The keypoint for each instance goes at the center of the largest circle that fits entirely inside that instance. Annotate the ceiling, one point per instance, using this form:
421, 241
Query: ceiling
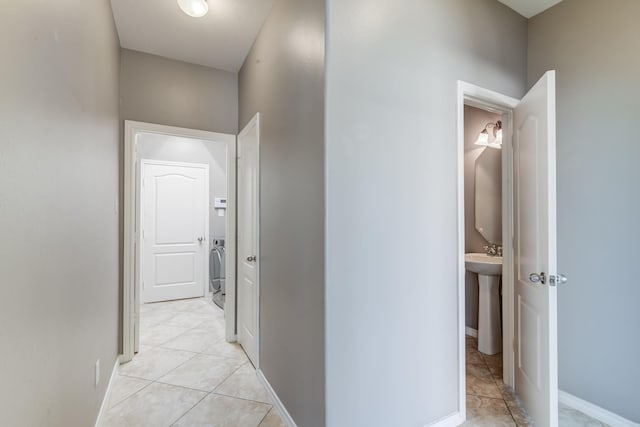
221, 39
529, 8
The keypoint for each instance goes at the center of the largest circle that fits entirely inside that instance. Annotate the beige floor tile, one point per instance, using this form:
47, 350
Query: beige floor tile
214, 324
148, 308
154, 317
496, 372
144, 348
193, 305
195, 340
159, 334
473, 356
569, 417
124, 387
480, 382
202, 372
157, 405
493, 360
189, 320
272, 419
155, 363
227, 350
223, 411
488, 412
518, 412
244, 383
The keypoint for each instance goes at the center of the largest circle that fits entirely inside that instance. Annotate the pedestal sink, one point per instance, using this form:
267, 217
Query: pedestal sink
489, 270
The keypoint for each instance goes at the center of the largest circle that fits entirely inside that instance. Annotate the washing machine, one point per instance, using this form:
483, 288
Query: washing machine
216, 272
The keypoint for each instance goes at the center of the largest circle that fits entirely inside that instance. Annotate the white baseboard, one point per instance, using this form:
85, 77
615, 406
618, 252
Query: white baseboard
471, 332
452, 420
594, 411
284, 414
107, 393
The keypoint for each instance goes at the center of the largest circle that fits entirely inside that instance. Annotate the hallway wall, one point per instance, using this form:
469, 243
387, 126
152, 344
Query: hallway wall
283, 79
593, 45
158, 90
391, 164
58, 209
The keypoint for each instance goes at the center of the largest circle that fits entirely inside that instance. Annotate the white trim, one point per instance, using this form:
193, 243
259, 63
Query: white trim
594, 411
107, 393
452, 420
131, 129
485, 99
471, 332
139, 217
277, 403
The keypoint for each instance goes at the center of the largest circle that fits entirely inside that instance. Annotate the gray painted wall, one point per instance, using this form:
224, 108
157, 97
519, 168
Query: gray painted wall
168, 92
474, 121
391, 297
283, 79
593, 45
58, 253
177, 149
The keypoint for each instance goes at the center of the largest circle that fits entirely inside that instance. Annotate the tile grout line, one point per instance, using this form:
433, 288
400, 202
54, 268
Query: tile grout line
132, 394
189, 410
493, 378
194, 354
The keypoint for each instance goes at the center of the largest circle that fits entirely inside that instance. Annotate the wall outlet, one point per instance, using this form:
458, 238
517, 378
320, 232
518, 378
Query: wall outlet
97, 372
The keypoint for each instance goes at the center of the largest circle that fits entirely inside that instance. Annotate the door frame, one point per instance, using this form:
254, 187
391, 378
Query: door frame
139, 216
130, 295
255, 122
488, 100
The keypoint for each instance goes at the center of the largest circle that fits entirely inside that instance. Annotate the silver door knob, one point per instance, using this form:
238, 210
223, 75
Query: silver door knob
558, 279
251, 258
537, 278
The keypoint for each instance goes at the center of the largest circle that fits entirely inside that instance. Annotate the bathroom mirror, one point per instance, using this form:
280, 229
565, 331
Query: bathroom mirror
489, 195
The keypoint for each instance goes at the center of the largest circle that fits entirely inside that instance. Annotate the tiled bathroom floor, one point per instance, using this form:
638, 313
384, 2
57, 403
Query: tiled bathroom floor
186, 374
491, 403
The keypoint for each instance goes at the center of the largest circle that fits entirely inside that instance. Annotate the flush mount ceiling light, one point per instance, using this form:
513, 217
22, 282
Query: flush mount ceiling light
195, 8
484, 138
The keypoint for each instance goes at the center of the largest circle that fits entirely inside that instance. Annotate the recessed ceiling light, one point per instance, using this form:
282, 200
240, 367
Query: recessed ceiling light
195, 8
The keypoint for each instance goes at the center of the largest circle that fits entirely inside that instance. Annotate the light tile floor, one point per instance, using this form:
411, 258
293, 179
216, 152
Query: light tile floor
186, 374
491, 403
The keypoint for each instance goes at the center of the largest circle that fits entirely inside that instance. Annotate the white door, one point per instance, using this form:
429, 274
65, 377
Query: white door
534, 143
248, 238
173, 230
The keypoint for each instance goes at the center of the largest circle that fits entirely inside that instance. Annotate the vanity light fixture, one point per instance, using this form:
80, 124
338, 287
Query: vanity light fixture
496, 132
194, 8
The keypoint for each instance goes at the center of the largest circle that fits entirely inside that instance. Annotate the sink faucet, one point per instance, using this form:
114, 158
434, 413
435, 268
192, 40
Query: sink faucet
493, 249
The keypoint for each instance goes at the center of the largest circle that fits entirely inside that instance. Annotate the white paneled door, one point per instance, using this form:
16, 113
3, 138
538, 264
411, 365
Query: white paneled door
174, 230
248, 142
536, 276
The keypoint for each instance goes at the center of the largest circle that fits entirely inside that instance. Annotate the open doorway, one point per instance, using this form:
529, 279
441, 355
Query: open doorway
179, 237
507, 252
488, 398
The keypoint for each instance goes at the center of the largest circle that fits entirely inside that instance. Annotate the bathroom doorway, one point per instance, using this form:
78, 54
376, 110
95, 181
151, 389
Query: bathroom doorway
179, 208
516, 330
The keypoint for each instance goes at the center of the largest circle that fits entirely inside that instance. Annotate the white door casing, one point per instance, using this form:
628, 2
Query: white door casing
174, 230
535, 304
248, 247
